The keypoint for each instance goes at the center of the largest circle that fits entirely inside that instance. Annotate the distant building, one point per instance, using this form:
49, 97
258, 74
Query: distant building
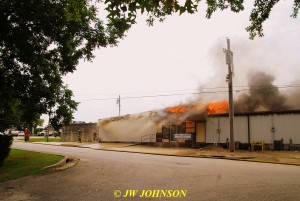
78, 122
89, 132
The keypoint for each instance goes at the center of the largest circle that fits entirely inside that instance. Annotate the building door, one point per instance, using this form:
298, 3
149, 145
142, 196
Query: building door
200, 132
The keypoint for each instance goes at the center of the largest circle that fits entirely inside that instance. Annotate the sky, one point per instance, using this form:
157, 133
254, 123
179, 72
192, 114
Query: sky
184, 55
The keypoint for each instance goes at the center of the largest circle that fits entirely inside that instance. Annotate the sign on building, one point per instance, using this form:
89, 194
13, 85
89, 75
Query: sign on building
183, 136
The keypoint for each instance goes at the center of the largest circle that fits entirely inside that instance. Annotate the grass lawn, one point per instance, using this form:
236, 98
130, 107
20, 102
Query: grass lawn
43, 139
21, 163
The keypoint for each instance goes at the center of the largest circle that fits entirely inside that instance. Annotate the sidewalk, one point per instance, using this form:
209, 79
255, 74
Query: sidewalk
275, 157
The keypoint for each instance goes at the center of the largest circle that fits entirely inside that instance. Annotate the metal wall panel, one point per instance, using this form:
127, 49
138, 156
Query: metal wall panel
212, 126
287, 126
241, 129
260, 128
211, 129
225, 129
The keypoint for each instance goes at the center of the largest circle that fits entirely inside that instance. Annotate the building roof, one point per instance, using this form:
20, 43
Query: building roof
281, 112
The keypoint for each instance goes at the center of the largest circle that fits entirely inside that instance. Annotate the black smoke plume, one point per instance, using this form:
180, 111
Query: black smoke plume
262, 95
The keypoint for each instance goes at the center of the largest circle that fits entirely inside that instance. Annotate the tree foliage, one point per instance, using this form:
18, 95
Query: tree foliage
159, 9
5, 144
40, 42
65, 107
43, 40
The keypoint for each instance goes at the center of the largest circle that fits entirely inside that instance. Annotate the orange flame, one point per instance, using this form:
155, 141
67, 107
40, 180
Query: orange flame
217, 107
178, 109
211, 108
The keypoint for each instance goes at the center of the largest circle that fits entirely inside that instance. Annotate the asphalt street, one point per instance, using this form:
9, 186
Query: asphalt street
109, 175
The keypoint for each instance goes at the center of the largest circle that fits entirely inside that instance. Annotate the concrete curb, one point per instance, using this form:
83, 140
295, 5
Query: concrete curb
63, 164
70, 145
60, 163
270, 162
75, 145
149, 153
45, 143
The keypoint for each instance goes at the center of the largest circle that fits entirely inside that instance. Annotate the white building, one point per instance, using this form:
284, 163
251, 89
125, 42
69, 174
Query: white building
274, 128
271, 127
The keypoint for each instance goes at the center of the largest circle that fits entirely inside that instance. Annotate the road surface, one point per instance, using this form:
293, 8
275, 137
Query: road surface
108, 175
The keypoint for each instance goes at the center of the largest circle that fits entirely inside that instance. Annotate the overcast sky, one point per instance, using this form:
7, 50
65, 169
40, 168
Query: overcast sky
181, 56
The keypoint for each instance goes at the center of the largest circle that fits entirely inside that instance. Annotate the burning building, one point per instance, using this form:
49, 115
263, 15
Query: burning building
199, 124
263, 114
183, 123
195, 125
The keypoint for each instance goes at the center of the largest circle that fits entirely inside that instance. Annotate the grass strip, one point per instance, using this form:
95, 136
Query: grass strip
22, 163
35, 139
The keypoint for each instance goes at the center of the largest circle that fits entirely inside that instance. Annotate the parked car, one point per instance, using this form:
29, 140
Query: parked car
56, 134
21, 133
14, 133
44, 133
51, 133
41, 133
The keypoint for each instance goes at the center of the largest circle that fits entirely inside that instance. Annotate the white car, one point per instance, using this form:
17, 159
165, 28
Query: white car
44, 133
12, 132
21, 133
41, 133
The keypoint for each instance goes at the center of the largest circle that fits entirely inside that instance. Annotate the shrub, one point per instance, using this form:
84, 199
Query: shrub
5, 143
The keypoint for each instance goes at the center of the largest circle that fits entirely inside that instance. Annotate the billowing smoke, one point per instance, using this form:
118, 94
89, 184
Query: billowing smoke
262, 96
293, 95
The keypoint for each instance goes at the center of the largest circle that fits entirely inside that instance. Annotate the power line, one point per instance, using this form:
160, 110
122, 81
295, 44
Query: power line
199, 89
264, 87
154, 96
150, 92
197, 93
245, 88
98, 99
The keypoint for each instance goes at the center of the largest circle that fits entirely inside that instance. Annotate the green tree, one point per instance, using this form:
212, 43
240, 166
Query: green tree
159, 9
65, 108
43, 40
40, 42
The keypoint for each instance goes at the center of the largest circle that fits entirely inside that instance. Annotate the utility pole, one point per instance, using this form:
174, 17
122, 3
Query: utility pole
229, 62
48, 129
119, 104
